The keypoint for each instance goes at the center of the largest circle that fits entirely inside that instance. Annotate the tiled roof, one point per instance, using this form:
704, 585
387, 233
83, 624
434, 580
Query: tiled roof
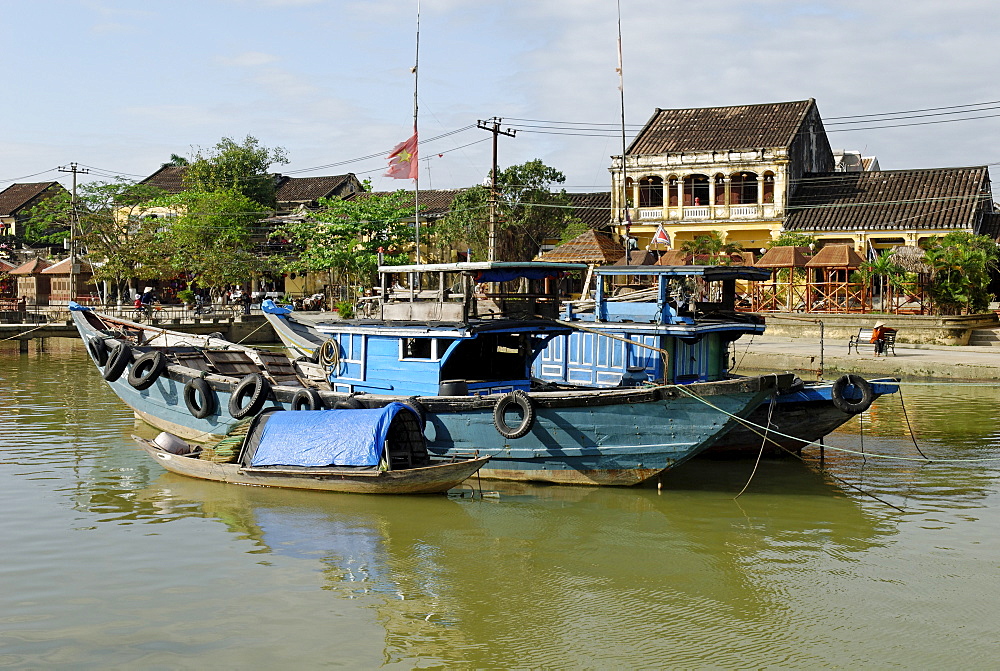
990, 225
721, 128
16, 196
835, 256
309, 189
638, 257
169, 178
590, 247
433, 203
62, 268
784, 257
936, 198
4, 266
35, 265
593, 209
674, 257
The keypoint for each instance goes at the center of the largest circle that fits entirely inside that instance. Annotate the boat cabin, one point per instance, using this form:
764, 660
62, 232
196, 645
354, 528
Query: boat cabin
447, 329
652, 324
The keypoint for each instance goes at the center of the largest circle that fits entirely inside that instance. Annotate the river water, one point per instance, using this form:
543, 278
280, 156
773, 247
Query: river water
107, 561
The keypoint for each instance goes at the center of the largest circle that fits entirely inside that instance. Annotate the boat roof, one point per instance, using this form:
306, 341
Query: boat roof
479, 266
710, 273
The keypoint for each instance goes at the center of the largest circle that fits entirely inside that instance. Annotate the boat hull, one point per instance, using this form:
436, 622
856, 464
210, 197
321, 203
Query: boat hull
426, 480
803, 416
578, 436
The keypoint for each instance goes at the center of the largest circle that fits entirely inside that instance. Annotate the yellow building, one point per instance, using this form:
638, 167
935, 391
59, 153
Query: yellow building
727, 170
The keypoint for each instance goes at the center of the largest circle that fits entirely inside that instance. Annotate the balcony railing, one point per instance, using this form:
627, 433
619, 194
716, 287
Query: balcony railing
702, 212
744, 211
651, 213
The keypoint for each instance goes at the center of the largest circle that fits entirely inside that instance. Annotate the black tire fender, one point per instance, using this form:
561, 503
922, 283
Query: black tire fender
98, 349
349, 403
417, 407
146, 369
118, 360
843, 403
307, 399
204, 407
256, 388
522, 401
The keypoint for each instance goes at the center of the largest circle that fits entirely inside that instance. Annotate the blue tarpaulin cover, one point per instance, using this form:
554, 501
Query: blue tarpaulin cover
270, 307
325, 437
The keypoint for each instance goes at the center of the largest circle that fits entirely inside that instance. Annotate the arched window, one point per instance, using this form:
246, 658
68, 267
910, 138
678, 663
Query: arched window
651, 192
720, 190
628, 192
768, 187
672, 192
695, 190
743, 188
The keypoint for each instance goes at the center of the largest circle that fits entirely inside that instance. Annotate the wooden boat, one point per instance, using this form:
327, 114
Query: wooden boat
464, 355
379, 451
643, 325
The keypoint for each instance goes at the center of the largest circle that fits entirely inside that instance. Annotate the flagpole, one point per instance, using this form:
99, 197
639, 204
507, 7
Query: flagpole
621, 88
416, 180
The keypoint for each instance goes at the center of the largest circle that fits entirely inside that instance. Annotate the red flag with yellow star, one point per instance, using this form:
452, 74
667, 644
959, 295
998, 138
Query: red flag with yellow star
403, 160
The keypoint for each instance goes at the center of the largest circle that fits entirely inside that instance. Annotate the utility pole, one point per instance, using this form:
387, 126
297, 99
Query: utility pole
493, 126
74, 223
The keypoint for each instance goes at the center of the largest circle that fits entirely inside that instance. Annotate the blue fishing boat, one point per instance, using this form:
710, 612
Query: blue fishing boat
676, 324
457, 341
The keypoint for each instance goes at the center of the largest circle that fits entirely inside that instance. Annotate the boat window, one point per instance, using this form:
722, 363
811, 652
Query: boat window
490, 357
415, 348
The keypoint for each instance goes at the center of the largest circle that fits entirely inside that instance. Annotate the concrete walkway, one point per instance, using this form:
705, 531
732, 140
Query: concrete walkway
802, 355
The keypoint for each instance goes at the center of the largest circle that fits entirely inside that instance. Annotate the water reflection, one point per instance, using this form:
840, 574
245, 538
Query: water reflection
165, 569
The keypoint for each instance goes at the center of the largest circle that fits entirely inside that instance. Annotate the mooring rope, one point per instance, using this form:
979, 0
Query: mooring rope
22, 333
754, 427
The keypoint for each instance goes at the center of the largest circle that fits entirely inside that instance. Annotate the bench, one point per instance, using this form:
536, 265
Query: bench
864, 336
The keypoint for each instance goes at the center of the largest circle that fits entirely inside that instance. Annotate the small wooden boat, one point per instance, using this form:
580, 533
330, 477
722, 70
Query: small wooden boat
377, 451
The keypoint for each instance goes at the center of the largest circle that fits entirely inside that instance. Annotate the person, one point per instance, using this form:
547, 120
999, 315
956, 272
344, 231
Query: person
246, 300
146, 300
22, 304
878, 337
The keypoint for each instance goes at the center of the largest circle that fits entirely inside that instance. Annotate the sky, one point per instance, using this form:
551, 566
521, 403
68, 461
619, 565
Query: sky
118, 86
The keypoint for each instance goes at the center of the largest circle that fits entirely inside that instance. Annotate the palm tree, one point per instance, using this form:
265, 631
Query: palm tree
706, 249
176, 162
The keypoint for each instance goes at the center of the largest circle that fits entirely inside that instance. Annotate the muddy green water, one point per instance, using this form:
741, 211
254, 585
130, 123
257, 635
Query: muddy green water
107, 561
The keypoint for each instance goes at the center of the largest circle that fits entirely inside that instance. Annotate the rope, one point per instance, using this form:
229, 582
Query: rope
908, 427
763, 444
754, 427
22, 333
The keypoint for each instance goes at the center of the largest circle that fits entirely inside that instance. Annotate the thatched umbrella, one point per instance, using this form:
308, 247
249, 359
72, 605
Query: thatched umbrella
910, 259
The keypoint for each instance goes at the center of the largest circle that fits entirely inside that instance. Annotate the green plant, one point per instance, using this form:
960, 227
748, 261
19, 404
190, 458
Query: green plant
961, 265
185, 296
346, 309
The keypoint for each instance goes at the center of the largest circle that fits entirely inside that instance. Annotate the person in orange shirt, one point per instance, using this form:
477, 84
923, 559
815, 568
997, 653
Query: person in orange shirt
878, 337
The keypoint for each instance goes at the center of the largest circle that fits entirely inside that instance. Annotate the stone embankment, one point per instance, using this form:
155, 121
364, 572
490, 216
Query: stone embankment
912, 361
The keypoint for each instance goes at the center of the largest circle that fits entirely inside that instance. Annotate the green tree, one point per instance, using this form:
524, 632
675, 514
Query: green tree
792, 239
212, 236
242, 167
961, 266
176, 161
707, 250
344, 238
116, 235
528, 213
47, 223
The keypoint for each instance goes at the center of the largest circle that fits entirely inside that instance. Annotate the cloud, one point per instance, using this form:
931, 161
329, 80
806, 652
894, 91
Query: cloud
248, 59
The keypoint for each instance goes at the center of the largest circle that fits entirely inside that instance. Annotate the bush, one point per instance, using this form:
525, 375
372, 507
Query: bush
345, 308
185, 296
